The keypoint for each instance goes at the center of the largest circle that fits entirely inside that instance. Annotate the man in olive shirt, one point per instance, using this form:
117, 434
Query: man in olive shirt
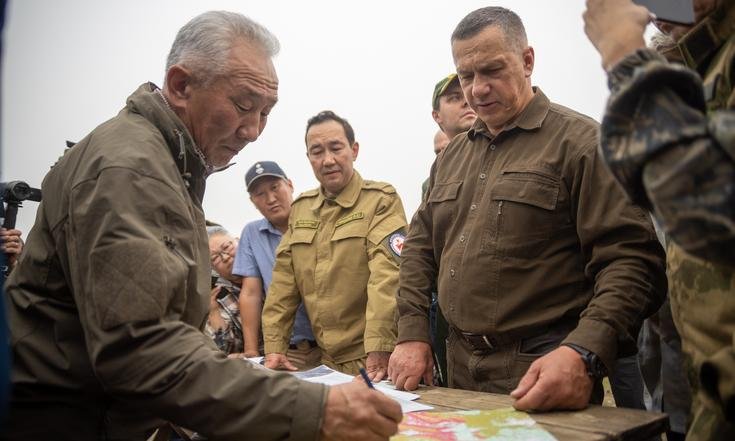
545, 271
340, 255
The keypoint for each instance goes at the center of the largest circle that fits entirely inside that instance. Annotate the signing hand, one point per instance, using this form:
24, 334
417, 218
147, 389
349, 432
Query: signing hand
615, 28
278, 361
354, 413
558, 380
410, 362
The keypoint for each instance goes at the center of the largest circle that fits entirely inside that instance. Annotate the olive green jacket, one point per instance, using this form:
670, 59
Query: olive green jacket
107, 302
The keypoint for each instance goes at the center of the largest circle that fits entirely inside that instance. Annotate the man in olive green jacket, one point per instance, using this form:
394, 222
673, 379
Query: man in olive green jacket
106, 303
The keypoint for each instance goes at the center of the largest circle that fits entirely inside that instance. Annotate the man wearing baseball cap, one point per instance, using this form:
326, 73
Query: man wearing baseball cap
450, 109
451, 113
272, 193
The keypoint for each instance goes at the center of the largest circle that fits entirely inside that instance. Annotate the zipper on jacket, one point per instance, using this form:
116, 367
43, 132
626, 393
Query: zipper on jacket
171, 245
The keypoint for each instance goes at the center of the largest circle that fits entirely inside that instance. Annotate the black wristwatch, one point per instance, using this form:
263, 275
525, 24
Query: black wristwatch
595, 367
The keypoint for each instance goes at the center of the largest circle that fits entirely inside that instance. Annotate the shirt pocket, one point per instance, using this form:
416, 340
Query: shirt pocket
349, 249
525, 203
443, 198
302, 236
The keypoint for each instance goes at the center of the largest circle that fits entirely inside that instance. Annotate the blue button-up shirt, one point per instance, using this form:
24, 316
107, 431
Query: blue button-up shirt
256, 256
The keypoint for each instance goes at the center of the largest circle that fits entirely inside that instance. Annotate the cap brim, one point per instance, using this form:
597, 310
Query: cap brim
263, 175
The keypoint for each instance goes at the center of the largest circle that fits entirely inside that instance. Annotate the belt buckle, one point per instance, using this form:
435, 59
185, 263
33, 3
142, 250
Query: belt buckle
479, 342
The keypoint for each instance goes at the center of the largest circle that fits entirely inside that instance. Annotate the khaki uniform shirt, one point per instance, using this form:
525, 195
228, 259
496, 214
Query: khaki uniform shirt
527, 229
340, 256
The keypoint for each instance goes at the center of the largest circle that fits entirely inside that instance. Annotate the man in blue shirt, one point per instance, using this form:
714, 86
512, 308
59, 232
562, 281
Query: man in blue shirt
272, 193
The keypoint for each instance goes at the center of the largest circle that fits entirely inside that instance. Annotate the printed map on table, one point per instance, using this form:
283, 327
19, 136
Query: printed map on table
471, 425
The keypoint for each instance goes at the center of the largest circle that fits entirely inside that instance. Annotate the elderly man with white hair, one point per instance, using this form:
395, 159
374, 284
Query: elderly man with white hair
106, 305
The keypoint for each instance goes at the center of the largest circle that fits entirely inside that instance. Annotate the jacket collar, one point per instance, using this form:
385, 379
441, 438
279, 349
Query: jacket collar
346, 198
530, 118
149, 104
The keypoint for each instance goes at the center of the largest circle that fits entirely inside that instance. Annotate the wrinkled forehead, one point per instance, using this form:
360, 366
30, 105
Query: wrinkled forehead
251, 67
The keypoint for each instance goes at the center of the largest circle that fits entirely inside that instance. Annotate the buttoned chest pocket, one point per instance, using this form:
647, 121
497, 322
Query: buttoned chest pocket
301, 237
527, 210
443, 198
349, 244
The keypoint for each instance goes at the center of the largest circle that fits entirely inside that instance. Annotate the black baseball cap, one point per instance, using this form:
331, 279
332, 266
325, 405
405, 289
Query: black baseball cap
260, 169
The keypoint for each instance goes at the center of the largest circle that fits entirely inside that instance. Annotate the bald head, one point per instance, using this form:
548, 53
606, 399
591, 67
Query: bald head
440, 141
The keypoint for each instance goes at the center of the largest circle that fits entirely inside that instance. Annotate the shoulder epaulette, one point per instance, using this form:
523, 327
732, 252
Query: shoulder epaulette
377, 185
307, 194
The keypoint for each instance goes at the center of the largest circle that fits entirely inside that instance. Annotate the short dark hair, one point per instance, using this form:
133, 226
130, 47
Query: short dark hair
328, 115
508, 21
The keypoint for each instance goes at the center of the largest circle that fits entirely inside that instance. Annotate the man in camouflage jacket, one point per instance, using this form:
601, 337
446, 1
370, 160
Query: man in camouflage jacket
668, 136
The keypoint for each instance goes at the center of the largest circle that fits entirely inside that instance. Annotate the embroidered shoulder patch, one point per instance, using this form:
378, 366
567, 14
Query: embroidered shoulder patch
306, 223
395, 243
349, 218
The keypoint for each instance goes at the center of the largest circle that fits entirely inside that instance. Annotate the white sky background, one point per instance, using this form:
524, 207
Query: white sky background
69, 65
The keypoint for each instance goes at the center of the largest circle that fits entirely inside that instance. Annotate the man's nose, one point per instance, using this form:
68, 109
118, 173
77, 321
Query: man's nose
328, 158
250, 127
480, 86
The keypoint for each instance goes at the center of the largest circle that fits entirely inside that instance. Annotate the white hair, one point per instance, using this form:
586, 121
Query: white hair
204, 43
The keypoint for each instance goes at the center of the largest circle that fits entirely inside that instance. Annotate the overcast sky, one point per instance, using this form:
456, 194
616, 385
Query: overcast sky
69, 65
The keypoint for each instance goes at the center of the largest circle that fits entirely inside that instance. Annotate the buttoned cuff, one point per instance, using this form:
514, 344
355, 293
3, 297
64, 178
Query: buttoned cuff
598, 337
311, 399
413, 328
717, 376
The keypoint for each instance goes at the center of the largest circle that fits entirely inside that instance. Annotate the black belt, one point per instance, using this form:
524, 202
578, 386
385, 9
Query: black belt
312, 344
487, 343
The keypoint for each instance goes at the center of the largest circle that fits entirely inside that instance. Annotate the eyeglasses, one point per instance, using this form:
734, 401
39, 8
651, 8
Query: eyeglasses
224, 254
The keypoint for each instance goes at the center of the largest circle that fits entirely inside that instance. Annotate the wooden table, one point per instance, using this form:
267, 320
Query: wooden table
592, 424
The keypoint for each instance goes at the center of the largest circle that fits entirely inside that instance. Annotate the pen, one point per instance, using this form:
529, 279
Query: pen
365, 377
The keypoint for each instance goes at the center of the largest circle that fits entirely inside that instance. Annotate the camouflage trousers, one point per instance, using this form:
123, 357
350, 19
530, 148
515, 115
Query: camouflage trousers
703, 306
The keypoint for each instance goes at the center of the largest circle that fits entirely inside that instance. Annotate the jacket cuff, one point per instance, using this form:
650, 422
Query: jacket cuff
311, 399
413, 328
598, 337
717, 376
625, 68
376, 344
275, 346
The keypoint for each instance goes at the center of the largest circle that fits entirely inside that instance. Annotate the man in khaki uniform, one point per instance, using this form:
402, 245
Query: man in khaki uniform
108, 299
545, 270
340, 255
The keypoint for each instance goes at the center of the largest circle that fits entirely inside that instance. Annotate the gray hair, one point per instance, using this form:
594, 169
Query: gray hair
216, 230
508, 21
204, 43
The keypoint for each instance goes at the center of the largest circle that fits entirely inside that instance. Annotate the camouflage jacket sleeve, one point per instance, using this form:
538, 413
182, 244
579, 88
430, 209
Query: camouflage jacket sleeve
670, 155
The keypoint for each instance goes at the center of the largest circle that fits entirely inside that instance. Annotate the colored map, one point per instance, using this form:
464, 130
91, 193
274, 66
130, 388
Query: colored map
471, 425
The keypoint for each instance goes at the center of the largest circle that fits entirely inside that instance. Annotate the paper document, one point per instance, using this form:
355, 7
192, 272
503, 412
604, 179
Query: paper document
326, 375
471, 425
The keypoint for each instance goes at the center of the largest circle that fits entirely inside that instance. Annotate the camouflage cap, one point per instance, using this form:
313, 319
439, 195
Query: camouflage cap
442, 87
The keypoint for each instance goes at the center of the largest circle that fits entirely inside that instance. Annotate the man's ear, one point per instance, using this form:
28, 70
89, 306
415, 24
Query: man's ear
178, 86
355, 150
528, 61
435, 115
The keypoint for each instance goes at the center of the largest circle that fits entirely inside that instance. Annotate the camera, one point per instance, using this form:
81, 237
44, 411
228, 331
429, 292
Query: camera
13, 194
